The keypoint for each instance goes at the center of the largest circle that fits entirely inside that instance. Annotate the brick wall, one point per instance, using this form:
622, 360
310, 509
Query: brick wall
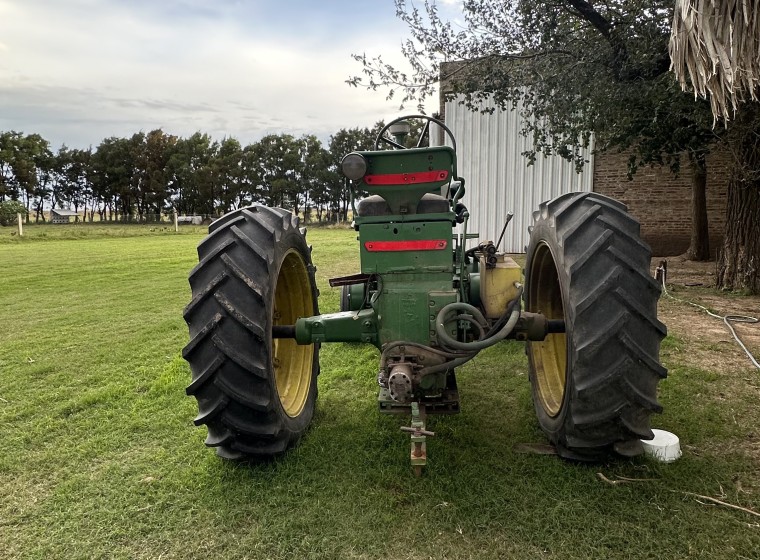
662, 201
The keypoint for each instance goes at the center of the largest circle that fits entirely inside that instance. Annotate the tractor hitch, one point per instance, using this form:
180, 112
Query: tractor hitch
418, 435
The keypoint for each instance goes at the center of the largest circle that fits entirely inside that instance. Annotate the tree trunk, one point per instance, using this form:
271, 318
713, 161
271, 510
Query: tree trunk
699, 248
296, 209
738, 265
739, 259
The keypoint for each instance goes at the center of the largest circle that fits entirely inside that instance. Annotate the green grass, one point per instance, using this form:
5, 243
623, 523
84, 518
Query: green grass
48, 232
100, 458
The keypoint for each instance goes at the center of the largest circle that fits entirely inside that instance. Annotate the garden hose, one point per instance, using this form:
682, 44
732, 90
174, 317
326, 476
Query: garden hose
727, 319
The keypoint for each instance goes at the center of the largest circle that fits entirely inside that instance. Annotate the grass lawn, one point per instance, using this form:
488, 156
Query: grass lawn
100, 458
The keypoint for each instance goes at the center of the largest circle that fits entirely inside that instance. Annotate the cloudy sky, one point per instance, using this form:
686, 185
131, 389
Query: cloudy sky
78, 71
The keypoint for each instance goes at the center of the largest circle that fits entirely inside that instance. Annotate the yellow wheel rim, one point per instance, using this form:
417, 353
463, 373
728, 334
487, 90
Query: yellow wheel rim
292, 363
549, 357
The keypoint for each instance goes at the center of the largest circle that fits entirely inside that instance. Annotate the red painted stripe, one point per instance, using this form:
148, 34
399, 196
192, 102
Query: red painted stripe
407, 178
420, 245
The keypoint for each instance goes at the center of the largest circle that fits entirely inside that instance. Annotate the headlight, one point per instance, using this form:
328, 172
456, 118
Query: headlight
354, 166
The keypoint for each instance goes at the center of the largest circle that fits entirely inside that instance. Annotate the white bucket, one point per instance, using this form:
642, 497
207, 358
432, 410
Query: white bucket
665, 447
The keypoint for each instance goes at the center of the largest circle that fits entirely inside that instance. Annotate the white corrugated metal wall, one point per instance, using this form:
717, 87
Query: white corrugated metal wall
498, 179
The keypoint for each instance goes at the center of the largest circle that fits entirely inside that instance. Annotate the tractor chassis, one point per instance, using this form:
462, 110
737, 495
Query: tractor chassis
361, 326
585, 305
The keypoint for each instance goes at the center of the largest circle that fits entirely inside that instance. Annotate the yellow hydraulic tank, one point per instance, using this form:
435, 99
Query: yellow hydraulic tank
497, 285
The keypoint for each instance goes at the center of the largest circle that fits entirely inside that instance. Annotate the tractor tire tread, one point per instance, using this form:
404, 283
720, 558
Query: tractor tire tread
228, 351
614, 354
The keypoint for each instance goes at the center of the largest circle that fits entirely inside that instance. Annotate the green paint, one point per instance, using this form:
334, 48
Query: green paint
403, 198
438, 259
347, 326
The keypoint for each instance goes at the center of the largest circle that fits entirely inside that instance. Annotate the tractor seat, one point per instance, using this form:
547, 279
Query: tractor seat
376, 205
433, 204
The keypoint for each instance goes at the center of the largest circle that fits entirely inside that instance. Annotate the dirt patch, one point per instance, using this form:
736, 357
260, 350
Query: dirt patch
682, 272
710, 343
705, 341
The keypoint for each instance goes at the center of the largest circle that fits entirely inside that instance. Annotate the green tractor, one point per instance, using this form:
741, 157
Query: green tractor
429, 300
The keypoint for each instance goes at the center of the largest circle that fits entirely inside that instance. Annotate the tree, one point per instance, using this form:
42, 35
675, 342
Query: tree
24, 161
575, 68
150, 154
190, 174
318, 177
8, 211
717, 45
279, 168
250, 174
7, 147
108, 172
77, 179
57, 176
46, 165
228, 170
112, 171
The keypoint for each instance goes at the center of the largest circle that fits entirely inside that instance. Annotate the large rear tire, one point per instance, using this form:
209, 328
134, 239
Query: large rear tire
256, 395
594, 386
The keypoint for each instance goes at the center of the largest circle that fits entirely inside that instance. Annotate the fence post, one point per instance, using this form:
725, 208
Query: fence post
20, 226
176, 222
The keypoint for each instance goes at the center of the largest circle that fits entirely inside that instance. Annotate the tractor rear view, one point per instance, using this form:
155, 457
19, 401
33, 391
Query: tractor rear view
429, 298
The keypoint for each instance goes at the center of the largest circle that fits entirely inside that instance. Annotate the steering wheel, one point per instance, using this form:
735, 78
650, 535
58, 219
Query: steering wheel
381, 137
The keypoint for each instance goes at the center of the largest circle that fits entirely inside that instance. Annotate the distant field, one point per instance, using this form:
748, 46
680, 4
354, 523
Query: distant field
100, 458
45, 232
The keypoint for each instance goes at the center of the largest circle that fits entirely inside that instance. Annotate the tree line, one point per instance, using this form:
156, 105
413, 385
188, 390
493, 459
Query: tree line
140, 177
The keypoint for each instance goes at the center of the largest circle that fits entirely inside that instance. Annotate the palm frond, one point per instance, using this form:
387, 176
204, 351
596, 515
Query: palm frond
716, 43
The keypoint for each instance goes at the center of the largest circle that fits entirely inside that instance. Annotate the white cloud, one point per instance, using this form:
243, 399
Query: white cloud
77, 72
